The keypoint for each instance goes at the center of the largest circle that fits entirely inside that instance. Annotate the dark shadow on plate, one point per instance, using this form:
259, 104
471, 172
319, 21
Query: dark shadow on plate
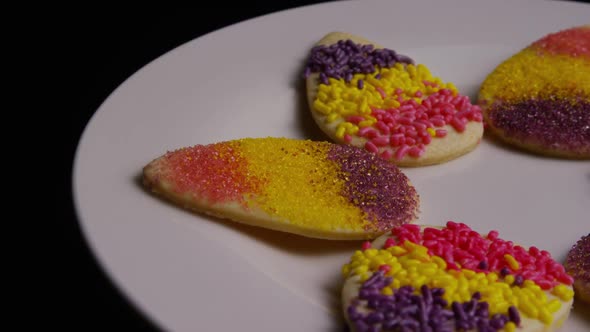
581, 310
288, 242
333, 290
305, 121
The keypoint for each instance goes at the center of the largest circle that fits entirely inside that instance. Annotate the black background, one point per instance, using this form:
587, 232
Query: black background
92, 51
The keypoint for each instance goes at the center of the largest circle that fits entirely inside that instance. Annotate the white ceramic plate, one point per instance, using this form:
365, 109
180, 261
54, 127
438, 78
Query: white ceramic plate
188, 272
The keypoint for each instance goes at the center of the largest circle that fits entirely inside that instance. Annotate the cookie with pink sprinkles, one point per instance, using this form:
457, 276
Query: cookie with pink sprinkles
365, 95
539, 99
314, 189
453, 278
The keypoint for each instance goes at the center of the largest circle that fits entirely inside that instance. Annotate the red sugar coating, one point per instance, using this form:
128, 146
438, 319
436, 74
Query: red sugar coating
573, 42
215, 172
462, 247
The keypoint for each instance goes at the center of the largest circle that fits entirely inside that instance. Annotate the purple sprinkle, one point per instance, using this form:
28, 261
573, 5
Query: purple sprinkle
376, 186
504, 271
348, 57
497, 321
360, 84
557, 124
361, 326
518, 280
378, 76
374, 317
514, 315
483, 265
476, 296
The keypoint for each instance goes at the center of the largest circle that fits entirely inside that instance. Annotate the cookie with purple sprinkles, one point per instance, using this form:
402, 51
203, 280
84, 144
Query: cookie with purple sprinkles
362, 94
539, 99
577, 263
452, 278
313, 189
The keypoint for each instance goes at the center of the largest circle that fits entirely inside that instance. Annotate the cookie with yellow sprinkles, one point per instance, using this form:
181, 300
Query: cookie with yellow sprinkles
539, 98
452, 278
362, 94
314, 189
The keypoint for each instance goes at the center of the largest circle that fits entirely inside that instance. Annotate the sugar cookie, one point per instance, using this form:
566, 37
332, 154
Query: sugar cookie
362, 94
314, 189
419, 278
539, 99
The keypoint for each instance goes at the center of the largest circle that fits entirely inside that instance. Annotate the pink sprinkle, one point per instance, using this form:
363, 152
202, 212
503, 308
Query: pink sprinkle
458, 124
441, 133
418, 94
372, 134
411, 132
492, 235
385, 268
397, 140
355, 119
406, 108
419, 126
464, 114
398, 91
426, 138
380, 140
390, 242
405, 121
371, 147
383, 128
427, 123
347, 138
401, 151
386, 154
438, 122
410, 141
366, 245
381, 92
363, 131
415, 152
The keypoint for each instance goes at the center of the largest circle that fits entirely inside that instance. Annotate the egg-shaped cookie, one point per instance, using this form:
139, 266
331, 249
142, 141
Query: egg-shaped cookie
538, 100
452, 278
362, 94
313, 189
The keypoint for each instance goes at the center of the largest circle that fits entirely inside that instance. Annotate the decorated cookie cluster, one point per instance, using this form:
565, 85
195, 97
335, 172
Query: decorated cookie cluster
383, 98
453, 278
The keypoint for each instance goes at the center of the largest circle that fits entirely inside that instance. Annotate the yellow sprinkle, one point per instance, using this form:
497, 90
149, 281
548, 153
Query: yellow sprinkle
321, 107
387, 291
563, 292
553, 305
439, 262
332, 117
511, 262
510, 327
397, 250
545, 316
340, 132
366, 123
431, 131
509, 279
529, 309
361, 269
